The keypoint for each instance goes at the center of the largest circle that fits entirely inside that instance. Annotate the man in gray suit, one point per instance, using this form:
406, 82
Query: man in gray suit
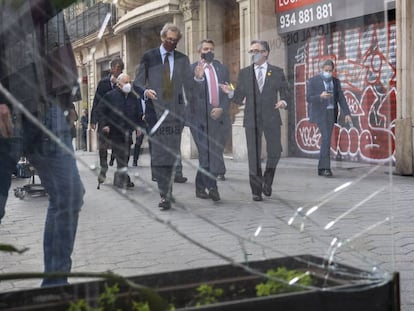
264, 90
209, 120
164, 74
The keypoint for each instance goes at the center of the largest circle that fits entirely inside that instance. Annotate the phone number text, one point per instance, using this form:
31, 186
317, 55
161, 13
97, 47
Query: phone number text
305, 16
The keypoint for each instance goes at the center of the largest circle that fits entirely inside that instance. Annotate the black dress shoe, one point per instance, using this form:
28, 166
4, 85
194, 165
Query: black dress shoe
180, 179
102, 176
221, 177
134, 163
111, 162
325, 172
267, 190
214, 195
201, 194
257, 197
164, 204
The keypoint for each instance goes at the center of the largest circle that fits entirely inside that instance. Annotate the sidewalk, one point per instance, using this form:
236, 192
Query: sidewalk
125, 232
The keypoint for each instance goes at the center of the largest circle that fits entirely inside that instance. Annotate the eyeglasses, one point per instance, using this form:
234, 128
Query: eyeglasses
256, 51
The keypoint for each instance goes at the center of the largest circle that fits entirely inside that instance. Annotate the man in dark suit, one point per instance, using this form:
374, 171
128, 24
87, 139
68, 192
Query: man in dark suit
105, 85
208, 117
264, 90
164, 74
120, 113
324, 94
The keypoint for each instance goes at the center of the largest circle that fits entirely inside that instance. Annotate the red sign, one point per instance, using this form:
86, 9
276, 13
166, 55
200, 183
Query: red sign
286, 5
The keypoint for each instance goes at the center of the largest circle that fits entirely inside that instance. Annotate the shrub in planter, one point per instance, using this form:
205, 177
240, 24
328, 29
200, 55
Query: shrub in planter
339, 288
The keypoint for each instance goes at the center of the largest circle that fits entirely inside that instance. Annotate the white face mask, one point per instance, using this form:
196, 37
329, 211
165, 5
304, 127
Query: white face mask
327, 74
126, 88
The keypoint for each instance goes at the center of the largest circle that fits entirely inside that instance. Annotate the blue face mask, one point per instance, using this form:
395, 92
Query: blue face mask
256, 57
326, 75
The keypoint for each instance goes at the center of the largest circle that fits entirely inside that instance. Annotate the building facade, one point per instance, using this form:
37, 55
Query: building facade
369, 41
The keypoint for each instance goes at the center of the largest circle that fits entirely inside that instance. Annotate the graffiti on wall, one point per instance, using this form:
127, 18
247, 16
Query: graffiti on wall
365, 59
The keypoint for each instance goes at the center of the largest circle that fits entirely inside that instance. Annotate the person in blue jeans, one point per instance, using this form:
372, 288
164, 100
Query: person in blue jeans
38, 82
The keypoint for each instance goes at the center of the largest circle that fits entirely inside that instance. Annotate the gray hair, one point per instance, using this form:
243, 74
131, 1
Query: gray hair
200, 44
170, 27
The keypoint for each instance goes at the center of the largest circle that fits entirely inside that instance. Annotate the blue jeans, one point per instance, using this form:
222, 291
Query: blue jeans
60, 177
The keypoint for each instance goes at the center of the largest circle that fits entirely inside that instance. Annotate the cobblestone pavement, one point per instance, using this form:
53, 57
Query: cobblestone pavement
365, 206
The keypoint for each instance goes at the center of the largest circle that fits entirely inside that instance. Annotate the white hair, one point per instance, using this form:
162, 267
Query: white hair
122, 75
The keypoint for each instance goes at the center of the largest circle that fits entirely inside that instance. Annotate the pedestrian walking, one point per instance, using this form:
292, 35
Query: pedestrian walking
105, 85
209, 119
164, 73
324, 96
264, 90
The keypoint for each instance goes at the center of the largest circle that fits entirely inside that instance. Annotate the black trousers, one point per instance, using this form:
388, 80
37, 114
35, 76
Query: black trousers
254, 153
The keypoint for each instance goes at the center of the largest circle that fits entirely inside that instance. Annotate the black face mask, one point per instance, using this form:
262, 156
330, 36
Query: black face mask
209, 56
170, 46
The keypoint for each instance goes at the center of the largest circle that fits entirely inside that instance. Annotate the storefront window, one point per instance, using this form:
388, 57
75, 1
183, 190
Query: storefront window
228, 154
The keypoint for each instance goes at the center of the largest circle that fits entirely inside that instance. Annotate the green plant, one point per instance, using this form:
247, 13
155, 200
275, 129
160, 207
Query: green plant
272, 286
207, 294
108, 302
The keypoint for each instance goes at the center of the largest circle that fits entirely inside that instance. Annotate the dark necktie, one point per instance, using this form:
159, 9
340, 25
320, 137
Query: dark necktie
167, 82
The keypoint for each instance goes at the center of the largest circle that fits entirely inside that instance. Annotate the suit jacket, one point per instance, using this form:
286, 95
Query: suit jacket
150, 75
104, 86
121, 113
198, 111
317, 105
275, 88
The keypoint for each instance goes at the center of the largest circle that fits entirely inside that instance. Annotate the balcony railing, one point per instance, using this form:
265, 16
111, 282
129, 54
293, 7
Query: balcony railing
90, 21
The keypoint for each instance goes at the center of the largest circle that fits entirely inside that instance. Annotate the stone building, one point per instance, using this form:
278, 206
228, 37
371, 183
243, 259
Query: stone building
369, 41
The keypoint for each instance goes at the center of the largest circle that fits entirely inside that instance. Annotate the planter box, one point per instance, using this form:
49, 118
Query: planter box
341, 291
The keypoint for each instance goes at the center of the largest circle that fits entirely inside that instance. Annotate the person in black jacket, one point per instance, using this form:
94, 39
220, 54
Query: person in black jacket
38, 79
106, 84
324, 95
84, 120
208, 118
120, 113
165, 74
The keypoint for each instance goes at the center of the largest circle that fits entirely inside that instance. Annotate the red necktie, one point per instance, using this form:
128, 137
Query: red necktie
213, 87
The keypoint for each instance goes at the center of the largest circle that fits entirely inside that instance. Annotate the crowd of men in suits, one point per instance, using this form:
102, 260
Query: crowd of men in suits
176, 94
171, 93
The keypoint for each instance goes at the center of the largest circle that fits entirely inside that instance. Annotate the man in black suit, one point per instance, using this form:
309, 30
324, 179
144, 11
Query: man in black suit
324, 94
120, 113
264, 89
208, 117
164, 73
105, 85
